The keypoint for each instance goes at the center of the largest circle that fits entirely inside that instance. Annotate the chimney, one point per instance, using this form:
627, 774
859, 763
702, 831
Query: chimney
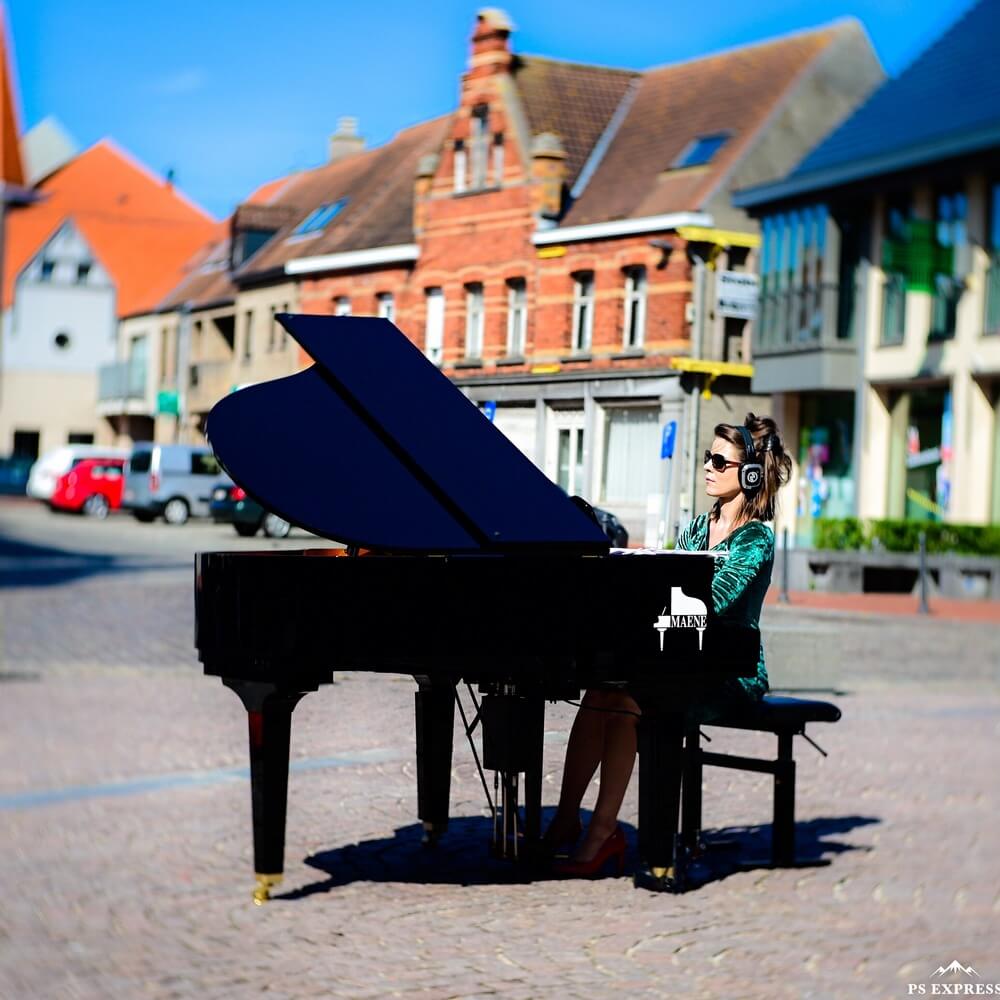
548, 174
345, 141
490, 44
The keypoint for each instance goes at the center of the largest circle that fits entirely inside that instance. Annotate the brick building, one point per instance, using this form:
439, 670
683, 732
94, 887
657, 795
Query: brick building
552, 244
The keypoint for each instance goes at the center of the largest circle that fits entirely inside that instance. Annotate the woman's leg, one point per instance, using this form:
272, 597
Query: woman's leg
583, 754
617, 761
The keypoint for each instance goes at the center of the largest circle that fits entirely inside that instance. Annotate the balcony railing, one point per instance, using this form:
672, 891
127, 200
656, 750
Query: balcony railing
122, 380
802, 319
991, 318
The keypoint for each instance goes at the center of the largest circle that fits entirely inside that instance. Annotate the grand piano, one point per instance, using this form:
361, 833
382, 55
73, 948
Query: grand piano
463, 564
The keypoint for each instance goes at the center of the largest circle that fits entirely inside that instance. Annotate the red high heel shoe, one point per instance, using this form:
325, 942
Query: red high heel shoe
612, 849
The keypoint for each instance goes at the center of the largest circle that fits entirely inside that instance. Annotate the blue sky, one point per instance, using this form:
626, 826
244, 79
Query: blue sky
231, 93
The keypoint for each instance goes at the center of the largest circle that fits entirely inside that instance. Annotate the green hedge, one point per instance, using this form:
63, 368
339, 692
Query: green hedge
850, 533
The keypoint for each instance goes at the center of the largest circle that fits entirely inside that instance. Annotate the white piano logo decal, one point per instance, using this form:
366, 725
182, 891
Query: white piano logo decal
685, 612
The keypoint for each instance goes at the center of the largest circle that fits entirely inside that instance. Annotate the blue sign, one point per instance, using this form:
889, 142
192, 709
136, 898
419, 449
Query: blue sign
669, 437
490, 409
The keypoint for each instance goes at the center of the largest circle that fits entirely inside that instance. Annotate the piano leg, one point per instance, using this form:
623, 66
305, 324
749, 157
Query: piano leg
534, 737
269, 717
435, 724
661, 764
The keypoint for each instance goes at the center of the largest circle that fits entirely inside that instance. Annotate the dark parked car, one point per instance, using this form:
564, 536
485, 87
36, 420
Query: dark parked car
231, 505
613, 528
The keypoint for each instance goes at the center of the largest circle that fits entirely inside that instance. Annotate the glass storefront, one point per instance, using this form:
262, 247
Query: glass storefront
826, 473
928, 455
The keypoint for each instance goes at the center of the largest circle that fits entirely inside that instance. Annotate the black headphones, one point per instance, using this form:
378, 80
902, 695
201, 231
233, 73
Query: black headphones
751, 471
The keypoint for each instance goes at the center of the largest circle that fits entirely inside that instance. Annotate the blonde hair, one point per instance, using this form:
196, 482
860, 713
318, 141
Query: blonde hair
769, 451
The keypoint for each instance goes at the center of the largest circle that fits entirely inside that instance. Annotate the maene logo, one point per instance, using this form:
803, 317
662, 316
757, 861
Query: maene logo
684, 612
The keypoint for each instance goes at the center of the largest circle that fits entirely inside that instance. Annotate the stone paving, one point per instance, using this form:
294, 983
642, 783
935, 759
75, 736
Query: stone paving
125, 820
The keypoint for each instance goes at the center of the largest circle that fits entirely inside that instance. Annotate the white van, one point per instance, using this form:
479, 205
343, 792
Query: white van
46, 471
174, 481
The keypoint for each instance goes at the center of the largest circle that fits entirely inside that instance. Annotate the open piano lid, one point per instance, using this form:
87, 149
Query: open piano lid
372, 446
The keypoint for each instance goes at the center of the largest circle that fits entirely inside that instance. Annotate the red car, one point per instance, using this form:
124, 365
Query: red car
93, 485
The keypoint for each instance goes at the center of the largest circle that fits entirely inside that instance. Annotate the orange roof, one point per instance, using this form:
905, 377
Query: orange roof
140, 228
11, 165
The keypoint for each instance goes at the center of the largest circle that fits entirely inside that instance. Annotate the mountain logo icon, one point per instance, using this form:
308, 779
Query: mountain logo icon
955, 968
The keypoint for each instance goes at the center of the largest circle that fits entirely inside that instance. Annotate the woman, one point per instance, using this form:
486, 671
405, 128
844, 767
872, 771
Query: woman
744, 469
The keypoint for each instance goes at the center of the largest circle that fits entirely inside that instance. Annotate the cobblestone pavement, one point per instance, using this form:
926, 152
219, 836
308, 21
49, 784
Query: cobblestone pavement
125, 818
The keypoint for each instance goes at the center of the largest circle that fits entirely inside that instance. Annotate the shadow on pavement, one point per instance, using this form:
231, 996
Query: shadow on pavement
27, 564
462, 855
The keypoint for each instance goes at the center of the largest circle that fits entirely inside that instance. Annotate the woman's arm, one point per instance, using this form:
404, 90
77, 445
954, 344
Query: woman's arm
752, 549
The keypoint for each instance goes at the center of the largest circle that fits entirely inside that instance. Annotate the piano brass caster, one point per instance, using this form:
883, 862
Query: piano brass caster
263, 891
663, 872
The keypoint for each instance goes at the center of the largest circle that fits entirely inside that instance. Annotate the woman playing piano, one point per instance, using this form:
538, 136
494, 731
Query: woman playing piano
744, 469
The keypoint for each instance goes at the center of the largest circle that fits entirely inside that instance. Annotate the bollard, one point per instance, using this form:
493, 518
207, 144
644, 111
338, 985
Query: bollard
922, 607
783, 596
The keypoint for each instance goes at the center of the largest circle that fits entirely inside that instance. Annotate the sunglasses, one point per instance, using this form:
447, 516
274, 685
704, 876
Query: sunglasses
719, 462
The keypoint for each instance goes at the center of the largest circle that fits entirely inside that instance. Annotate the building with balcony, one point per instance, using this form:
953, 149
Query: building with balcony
879, 321
553, 244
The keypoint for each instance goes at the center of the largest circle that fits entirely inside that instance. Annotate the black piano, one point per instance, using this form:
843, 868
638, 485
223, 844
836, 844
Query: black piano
464, 565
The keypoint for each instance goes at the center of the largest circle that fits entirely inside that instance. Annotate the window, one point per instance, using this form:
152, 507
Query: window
341, 306
284, 332
635, 307
62, 341
82, 272
272, 329
699, 151
318, 219
632, 468
434, 331
460, 166
79, 437
583, 310
480, 145
474, 320
517, 316
203, 464
248, 335
26, 444
951, 239
898, 214
47, 269
141, 461
991, 320
386, 306
498, 159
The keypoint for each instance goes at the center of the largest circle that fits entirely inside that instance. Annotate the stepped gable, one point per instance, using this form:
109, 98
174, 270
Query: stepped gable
733, 92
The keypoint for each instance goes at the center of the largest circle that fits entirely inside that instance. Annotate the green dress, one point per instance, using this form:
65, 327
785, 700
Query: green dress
741, 579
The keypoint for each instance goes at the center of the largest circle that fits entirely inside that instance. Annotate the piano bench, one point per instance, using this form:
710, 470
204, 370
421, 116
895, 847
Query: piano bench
786, 718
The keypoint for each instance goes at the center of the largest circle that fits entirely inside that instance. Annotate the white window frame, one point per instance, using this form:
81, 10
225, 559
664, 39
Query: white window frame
386, 308
635, 308
583, 311
461, 168
475, 319
434, 328
480, 143
342, 305
517, 317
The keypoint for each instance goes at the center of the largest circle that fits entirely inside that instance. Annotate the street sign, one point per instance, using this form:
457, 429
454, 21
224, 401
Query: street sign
490, 409
736, 294
167, 401
669, 439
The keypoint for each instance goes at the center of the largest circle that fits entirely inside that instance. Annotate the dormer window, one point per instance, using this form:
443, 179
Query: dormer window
700, 151
319, 218
82, 272
47, 270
